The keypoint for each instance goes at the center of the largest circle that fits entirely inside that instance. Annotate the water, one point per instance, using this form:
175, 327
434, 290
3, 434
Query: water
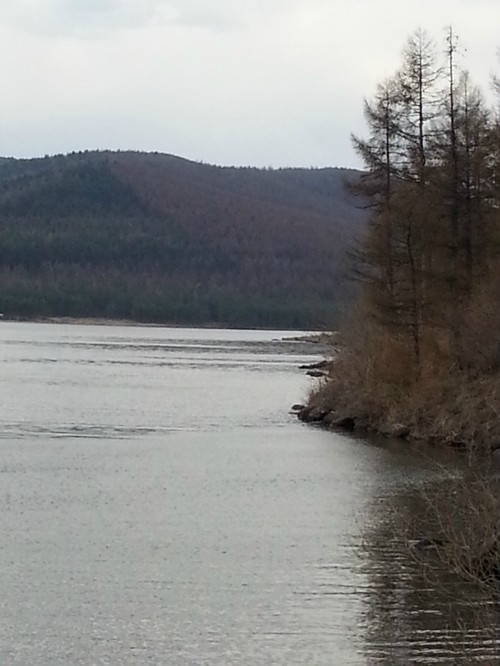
161, 506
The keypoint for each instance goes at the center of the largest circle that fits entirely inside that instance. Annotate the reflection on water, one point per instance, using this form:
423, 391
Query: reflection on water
160, 505
418, 611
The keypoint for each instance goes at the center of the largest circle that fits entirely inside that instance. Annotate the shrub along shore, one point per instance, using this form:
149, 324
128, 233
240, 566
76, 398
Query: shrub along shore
364, 391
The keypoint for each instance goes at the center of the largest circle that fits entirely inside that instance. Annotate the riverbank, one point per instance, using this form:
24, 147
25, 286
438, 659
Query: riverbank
368, 393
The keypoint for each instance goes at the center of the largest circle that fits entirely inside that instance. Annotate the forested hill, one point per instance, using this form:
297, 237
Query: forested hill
158, 238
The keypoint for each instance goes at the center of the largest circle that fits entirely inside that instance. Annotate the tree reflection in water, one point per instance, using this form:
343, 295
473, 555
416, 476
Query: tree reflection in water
418, 609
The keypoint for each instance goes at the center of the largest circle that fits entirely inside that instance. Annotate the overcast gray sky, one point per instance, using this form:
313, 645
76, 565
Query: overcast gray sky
243, 82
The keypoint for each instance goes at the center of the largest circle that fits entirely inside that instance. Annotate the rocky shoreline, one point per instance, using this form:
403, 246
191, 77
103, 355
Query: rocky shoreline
336, 420
458, 413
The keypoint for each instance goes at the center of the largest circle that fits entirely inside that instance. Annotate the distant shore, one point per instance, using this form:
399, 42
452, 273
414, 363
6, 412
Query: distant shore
87, 321
314, 337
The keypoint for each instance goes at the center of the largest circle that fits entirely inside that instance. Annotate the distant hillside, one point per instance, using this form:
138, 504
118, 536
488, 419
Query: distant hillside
154, 237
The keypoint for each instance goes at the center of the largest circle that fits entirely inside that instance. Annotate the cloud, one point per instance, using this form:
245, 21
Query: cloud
265, 82
225, 14
94, 18
82, 18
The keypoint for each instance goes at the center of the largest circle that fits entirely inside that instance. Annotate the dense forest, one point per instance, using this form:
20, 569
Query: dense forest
157, 238
425, 360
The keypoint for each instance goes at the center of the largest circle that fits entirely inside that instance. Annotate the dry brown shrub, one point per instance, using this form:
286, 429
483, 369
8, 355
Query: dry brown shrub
480, 341
372, 379
463, 515
369, 376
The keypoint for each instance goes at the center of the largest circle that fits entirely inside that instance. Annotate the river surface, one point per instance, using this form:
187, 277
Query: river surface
160, 505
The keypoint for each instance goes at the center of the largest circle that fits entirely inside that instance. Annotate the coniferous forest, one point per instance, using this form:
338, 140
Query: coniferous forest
424, 361
156, 238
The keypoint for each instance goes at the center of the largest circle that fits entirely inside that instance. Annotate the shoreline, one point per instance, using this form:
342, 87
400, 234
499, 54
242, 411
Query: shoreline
314, 337
456, 411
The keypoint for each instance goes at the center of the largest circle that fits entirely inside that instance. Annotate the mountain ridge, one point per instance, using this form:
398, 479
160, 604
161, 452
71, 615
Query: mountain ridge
156, 237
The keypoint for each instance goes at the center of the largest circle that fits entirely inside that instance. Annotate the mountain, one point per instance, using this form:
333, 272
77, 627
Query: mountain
153, 237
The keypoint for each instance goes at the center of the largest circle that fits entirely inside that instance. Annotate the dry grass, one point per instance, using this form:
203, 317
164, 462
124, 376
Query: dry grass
373, 380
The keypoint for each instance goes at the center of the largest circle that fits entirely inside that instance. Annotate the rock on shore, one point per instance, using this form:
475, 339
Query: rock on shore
335, 420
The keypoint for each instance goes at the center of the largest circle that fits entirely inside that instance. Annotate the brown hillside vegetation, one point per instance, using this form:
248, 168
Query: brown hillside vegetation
155, 237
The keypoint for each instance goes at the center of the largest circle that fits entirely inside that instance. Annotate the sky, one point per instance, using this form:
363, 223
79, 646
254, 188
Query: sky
267, 83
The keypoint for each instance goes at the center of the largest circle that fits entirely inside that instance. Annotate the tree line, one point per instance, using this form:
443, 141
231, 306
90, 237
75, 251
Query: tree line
429, 261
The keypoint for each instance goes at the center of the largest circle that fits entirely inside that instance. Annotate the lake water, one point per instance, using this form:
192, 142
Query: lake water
160, 505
